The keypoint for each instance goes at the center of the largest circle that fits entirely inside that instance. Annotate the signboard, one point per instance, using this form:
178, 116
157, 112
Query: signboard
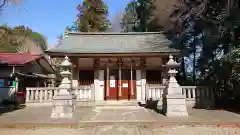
125, 85
112, 82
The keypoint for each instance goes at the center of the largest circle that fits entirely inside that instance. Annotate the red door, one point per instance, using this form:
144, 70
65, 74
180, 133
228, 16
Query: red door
124, 85
128, 86
124, 91
120, 88
112, 85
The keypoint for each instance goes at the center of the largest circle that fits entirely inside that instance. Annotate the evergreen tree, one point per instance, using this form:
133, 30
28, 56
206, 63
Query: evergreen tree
139, 16
129, 20
93, 16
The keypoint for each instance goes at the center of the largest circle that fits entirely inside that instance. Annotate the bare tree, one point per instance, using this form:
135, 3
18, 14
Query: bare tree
5, 2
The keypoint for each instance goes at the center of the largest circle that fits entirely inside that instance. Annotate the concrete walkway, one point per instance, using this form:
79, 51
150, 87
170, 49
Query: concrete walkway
119, 120
127, 120
34, 116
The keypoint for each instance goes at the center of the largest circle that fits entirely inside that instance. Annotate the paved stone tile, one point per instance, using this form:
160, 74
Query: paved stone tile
42, 115
122, 114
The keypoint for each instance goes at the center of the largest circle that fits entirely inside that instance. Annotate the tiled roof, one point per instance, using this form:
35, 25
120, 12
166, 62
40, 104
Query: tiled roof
17, 58
134, 42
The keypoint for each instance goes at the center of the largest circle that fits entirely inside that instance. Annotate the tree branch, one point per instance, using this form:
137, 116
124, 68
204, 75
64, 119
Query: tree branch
4, 3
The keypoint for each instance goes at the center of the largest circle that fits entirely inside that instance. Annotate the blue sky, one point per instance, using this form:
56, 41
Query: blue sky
50, 17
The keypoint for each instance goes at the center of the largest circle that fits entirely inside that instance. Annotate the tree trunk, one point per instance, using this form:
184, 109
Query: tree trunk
194, 60
183, 70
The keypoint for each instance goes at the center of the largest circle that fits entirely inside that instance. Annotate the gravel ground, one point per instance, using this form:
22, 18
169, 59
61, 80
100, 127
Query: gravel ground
126, 130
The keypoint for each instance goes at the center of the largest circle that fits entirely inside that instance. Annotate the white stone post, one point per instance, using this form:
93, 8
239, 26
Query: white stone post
52, 80
174, 103
139, 85
64, 101
99, 94
16, 88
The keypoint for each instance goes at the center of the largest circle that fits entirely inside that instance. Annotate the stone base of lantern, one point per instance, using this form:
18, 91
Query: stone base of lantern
174, 106
63, 106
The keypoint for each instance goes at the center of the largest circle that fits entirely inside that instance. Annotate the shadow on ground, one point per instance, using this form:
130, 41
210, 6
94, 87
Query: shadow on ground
227, 104
151, 104
8, 106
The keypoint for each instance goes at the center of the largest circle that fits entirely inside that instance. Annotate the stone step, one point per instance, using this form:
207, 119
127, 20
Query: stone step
112, 107
108, 103
117, 103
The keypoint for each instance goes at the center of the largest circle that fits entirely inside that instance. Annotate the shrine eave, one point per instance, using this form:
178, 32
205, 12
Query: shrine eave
114, 44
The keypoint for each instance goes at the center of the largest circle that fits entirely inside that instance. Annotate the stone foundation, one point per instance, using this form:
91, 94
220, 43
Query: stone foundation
175, 106
63, 106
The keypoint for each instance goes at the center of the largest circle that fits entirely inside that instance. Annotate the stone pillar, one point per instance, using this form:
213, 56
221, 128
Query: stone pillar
16, 87
164, 78
144, 82
53, 83
144, 92
174, 103
100, 93
96, 79
139, 85
51, 80
64, 101
164, 72
75, 76
17, 84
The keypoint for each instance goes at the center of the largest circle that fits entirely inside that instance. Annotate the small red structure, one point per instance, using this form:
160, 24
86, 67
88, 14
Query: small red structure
17, 58
21, 70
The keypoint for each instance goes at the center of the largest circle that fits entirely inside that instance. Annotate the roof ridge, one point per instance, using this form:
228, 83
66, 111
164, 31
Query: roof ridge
114, 33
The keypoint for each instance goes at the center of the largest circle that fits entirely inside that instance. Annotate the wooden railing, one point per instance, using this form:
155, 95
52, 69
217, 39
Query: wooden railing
46, 94
195, 95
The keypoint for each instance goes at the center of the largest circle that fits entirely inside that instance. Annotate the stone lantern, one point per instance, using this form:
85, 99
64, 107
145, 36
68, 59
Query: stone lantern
66, 74
174, 103
64, 101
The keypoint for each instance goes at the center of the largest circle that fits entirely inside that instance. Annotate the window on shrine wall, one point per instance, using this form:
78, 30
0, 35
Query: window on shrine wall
86, 77
153, 77
6, 82
1, 82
